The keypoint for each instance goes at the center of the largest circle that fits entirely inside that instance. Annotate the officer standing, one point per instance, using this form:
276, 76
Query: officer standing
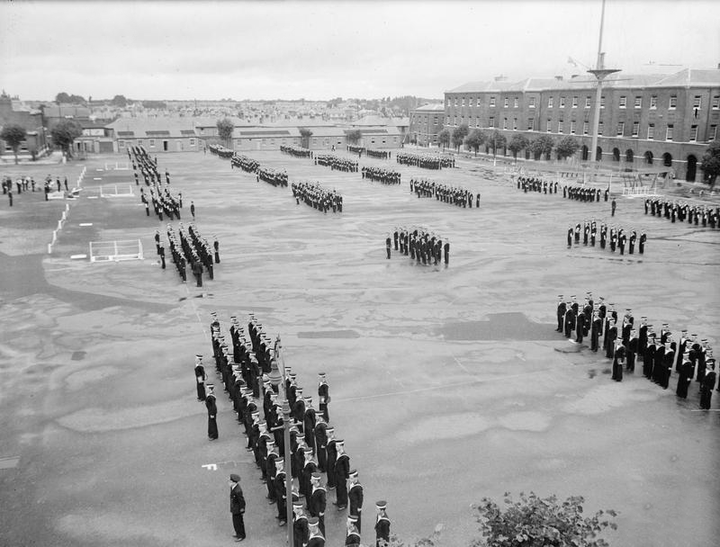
388, 245
237, 507
707, 384
355, 495
382, 525
212, 412
200, 377
342, 471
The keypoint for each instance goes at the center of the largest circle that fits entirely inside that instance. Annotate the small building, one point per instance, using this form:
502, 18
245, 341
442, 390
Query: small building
426, 122
35, 143
157, 135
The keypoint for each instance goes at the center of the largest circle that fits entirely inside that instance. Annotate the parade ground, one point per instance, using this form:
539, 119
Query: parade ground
448, 383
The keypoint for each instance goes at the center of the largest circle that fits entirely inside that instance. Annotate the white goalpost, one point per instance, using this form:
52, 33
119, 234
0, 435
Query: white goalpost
119, 166
107, 251
117, 191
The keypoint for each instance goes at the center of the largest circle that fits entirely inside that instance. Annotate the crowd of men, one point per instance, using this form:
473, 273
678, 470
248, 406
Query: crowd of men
359, 150
625, 343
220, 150
28, 184
296, 151
584, 193
617, 237
379, 154
164, 203
245, 163
421, 245
681, 211
272, 176
426, 161
337, 163
244, 363
534, 184
455, 195
380, 174
189, 247
145, 165
317, 197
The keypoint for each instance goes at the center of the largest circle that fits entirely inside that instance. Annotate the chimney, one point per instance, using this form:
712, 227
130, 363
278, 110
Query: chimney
559, 78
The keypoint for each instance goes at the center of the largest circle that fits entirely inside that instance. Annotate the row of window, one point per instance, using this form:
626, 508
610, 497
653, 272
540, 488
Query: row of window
575, 101
669, 131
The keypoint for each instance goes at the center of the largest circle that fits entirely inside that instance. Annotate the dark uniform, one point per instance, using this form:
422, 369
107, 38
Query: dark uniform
382, 525
237, 507
212, 413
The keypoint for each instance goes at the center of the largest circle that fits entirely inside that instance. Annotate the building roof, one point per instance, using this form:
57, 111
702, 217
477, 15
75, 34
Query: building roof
65, 110
141, 128
692, 77
432, 107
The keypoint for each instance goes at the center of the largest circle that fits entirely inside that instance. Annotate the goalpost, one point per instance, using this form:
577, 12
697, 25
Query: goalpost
106, 251
117, 191
119, 166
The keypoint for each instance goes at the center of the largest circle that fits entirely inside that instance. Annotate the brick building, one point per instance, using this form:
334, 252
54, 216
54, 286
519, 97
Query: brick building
645, 120
157, 135
425, 123
13, 113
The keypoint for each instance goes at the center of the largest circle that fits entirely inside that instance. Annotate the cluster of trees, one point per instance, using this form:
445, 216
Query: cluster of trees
531, 521
225, 130
64, 98
711, 163
537, 148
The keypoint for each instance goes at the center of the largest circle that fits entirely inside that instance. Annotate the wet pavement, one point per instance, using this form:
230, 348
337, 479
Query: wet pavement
448, 384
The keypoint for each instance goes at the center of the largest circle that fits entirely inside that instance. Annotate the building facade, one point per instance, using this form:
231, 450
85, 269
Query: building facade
35, 143
645, 120
426, 122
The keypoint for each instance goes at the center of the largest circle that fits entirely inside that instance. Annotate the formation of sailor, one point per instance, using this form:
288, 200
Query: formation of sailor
296, 151
426, 161
614, 237
189, 247
272, 176
221, 151
245, 163
420, 244
455, 195
337, 163
380, 174
681, 211
579, 192
379, 154
164, 204
535, 184
317, 197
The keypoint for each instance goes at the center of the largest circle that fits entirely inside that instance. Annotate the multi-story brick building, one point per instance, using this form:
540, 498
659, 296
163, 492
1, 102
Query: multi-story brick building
644, 119
425, 123
13, 113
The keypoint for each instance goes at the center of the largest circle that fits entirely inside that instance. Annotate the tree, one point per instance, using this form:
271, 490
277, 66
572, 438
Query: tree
354, 136
225, 130
62, 97
119, 100
13, 135
711, 163
459, 134
517, 143
475, 140
541, 145
444, 138
65, 133
305, 135
496, 140
534, 521
567, 147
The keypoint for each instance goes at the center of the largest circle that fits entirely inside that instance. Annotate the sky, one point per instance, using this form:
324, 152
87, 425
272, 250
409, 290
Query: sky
324, 49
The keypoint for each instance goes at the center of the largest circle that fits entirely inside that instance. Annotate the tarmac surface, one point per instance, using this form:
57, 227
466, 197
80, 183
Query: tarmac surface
448, 384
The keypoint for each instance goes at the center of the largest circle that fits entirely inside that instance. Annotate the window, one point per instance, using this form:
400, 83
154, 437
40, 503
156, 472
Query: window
716, 102
507, 102
456, 101
121, 145
491, 121
669, 132
548, 127
635, 129
673, 102
504, 123
651, 132
572, 127
514, 124
638, 102
588, 102
140, 142
712, 135
586, 128
152, 143
697, 101
492, 101
693, 133
192, 142
575, 102
562, 102
602, 102
515, 102
601, 128
621, 129
653, 102
623, 101
530, 124
463, 101
531, 104
561, 125
550, 102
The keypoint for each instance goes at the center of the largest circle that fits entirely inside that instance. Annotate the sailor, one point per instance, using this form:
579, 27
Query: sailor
382, 525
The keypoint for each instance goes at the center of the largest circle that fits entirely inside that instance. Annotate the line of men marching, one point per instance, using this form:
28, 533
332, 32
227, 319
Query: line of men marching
456, 195
534, 184
617, 237
244, 371
317, 197
296, 151
420, 244
679, 210
190, 247
624, 343
245, 163
425, 161
380, 174
337, 163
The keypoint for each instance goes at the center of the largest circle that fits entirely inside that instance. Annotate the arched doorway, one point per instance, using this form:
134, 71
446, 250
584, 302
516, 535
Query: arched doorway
649, 157
585, 153
598, 154
667, 159
616, 154
691, 168
629, 157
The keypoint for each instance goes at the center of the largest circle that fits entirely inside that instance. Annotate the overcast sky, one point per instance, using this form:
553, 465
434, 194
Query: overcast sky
321, 50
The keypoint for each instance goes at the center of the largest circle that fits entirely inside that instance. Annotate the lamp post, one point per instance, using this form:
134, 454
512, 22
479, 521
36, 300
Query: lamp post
277, 379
